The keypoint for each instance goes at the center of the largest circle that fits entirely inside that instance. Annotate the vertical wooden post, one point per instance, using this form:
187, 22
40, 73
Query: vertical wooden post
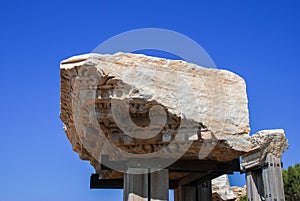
255, 186
146, 187
185, 193
268, 190
177, 193
204, 192
280, 186
136, 187
200, 192
266, 183
273, 181
159, 185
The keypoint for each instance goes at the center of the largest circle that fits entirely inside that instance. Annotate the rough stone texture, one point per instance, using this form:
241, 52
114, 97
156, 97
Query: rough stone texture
221, 189
202, 106
263, 143
239, 191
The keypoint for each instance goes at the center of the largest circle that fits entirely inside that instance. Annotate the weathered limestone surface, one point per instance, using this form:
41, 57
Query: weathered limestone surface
206, 107
221, 189
263, 143
239, 191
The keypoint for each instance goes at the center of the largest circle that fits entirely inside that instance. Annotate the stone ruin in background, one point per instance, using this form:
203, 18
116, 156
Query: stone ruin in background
150, 124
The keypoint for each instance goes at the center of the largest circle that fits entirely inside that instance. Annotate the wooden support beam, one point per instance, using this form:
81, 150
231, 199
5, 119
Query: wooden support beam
204, 191
136, 187
265, 182
194, 186
273, 181
193, 179
152, 186
96, 182
200, 192
185, 193
159, 185
180, 165
204, 166
255, 187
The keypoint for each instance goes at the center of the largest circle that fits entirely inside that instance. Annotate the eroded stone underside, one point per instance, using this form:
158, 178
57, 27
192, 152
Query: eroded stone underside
263, 143
205, 107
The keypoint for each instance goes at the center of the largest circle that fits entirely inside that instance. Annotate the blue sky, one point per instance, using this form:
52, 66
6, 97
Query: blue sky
259, 40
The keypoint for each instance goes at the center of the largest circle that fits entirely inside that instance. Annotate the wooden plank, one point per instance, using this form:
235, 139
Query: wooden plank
190, 193
200, 192
136, 187
204, 165
266, 179
96, 183
185, 193
204, 192
159, 185
249, 186
255, 186
258, 181
273, 179
200, 166
192, 179
278, 170
178, 194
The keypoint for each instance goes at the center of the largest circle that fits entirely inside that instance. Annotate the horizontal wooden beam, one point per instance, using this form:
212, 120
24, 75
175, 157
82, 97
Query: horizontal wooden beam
204, 166
197, 166
96, 183
189, 180
199, 171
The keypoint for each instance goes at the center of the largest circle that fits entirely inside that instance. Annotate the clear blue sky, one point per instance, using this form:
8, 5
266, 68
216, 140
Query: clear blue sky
258, 40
